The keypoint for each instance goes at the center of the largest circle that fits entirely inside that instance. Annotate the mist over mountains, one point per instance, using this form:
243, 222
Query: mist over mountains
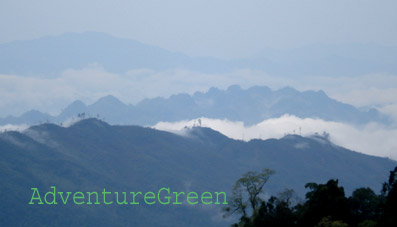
91, 154
251, 106
202, 97
51, 55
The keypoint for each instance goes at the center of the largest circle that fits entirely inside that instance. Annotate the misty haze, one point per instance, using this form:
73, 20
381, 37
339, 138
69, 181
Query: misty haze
287, 108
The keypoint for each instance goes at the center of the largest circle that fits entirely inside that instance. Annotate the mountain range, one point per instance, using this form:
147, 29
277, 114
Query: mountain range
251, 106
51, 55
91, 155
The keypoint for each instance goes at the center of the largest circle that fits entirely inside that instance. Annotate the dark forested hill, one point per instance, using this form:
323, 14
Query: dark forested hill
91, 155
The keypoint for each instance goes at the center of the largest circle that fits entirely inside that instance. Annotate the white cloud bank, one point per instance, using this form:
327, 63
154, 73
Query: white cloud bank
9, 127
20, 94
51, 94
372, 139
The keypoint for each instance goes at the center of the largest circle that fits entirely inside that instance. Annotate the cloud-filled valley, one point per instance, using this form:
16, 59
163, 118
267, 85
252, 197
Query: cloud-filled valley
362, 136
89, 84
182, 79
373, 139
285, 109
90, 65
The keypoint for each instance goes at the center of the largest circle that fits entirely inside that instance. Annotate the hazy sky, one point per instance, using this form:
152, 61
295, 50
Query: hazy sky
221, 28
218, 28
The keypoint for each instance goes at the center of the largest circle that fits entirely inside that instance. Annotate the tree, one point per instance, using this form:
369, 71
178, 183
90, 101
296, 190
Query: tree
367, 223
277, 211
389, 217
387, 186
327, 222
365, 205
246, 193
323, 200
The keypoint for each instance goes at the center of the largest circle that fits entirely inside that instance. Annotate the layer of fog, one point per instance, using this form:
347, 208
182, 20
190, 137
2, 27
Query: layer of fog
222, 28
20, 94
372, 139
10, 127
22, 127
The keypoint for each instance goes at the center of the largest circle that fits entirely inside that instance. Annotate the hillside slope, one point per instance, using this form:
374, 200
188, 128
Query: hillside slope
91, 155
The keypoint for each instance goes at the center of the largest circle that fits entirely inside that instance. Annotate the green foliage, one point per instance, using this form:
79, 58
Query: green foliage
388, 186
91, 155
326, 206
365, 204
277, 211
324, 200
367, 223
389, 216
246, 192
327, 222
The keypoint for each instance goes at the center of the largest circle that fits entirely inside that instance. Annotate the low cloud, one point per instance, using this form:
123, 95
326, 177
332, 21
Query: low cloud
373, 139
19, 94
9, 127
390, 109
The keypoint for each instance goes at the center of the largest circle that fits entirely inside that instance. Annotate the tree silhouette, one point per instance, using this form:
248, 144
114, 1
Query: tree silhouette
324, 200
389, 217
246, 193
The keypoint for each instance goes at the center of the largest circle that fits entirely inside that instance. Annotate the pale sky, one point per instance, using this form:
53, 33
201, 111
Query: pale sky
219, 28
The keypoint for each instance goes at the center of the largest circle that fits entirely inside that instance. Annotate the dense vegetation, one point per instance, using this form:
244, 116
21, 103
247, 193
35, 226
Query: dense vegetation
325, 206
92, 155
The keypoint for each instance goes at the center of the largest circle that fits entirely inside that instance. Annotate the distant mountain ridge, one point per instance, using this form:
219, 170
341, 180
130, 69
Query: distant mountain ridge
51, 55
252, 105
92, 155
48, 56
